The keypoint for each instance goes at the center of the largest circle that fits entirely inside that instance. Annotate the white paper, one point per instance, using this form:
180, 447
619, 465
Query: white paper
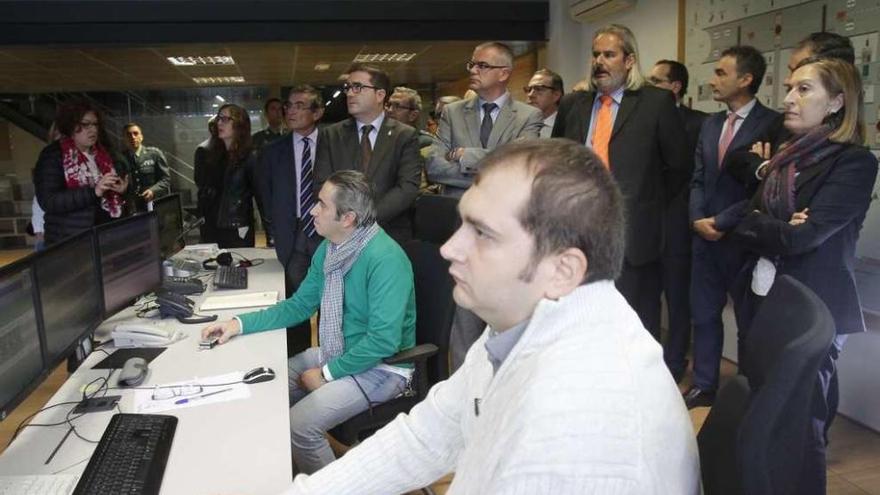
763, 276
145, 404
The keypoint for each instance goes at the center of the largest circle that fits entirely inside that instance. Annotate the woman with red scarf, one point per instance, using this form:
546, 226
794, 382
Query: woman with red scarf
805, 218
76, 180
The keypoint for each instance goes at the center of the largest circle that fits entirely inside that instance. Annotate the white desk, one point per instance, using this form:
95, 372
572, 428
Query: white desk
234, 447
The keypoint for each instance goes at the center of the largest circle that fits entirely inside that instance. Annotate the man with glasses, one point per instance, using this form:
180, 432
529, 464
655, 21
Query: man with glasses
676, 263
384, 149
544, 92
470, 128
287, 180
405, 105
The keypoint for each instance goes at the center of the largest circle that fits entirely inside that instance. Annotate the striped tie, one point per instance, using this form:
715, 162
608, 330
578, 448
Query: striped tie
306, 196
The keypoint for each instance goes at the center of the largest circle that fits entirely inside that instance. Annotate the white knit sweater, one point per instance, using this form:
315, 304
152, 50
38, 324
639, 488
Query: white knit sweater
583, 404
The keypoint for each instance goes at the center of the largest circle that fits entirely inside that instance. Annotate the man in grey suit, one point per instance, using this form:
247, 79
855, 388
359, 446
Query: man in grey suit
384, 149
469, 129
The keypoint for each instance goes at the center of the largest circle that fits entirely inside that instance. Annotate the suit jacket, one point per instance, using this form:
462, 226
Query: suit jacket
821, 252
395, 168
648, 159
678, 229
742, 163
714, 189
279, 183
460, 128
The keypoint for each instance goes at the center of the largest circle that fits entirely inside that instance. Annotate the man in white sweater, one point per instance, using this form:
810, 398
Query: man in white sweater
565, 391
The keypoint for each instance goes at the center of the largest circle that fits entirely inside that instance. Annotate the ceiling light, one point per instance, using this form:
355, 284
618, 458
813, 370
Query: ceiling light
384, 57
220, 99
337, 93
218, 80
322, 67
217, 60
214, 105
167, 107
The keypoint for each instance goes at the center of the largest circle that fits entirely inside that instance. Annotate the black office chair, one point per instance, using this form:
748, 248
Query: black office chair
434, 310
436, 218
753, 439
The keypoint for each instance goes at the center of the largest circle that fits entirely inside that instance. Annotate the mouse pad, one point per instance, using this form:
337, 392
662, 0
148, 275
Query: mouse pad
118, 358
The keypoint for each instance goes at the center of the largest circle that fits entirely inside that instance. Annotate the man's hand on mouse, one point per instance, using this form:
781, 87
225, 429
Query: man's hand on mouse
223, 331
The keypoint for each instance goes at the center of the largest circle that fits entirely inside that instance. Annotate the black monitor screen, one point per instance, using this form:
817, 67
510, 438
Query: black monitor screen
70, 293
21, 360
130, 260
170, 216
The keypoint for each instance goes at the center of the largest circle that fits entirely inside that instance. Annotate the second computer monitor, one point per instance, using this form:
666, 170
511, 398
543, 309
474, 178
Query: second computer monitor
129, 259
168, 209
70, 293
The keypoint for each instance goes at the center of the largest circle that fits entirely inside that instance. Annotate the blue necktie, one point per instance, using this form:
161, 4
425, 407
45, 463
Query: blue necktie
306, 199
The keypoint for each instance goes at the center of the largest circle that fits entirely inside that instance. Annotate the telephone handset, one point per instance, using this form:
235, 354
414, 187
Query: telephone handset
143, 334
180, 307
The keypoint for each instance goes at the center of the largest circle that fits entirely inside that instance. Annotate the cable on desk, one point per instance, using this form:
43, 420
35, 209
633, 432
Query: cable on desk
72, 465
21, 426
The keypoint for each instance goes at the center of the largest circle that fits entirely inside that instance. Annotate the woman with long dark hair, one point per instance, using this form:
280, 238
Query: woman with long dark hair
78, 181
235, 210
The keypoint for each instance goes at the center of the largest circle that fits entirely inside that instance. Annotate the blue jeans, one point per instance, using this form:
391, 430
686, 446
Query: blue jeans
312, 414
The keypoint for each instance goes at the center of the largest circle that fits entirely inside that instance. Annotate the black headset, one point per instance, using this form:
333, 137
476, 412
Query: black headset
225, 259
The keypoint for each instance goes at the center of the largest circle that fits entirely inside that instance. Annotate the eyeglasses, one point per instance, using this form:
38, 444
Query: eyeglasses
223, 119
297, 105
89, 125
397, 106
482, 66
540, 88
165, 393
357, 87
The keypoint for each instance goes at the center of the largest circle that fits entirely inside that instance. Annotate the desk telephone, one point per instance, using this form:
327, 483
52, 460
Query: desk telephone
143, 334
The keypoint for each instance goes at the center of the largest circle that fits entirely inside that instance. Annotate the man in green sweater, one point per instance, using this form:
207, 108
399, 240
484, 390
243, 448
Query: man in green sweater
363, 283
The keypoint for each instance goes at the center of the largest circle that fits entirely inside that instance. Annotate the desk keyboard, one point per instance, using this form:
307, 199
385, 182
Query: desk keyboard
38, 484
230, 277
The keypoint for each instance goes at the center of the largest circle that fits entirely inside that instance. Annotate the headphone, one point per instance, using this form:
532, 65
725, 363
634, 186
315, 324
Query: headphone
225, 259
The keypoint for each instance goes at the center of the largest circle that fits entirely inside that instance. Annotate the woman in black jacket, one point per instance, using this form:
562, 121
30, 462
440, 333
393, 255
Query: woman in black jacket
209, 181
805, 218
235, 210
76, 180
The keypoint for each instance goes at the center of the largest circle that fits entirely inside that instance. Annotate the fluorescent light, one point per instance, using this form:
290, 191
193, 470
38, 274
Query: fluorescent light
202, 60
220, 99
384, 57
322, 67
215, 105
167, 107
337, 93
218, 80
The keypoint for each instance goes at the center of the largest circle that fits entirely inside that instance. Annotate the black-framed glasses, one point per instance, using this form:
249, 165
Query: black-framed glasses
540, 88
482, 66
393, 106
357, 87
223, 119
166, 393
297, 105
89, 125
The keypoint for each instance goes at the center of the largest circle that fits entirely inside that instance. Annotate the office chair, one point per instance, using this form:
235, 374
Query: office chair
436, 218
434, 310
753, 439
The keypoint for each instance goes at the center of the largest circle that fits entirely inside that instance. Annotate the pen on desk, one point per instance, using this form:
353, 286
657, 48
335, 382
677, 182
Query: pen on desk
197, 397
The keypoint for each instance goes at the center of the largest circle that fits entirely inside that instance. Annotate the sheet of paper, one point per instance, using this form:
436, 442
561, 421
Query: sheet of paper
192, 393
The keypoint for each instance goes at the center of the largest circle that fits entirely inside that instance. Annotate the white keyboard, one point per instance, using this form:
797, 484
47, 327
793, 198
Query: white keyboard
38, 484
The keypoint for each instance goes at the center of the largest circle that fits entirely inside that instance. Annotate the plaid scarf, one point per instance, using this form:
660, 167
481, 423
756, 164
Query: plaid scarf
805, 151
337, 263
77, 174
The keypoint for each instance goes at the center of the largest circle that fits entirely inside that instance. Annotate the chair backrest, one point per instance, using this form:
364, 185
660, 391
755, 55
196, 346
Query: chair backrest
436, 218
434, 304
753, 438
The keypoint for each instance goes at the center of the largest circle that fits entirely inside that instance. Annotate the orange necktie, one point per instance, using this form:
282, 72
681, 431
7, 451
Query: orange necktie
602, 132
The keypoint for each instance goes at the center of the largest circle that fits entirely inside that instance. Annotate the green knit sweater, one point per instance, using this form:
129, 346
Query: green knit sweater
378, 311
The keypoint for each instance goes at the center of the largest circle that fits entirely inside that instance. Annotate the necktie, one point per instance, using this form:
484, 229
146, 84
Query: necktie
366, 147
727, 137
602, 131
486, 126
306, 194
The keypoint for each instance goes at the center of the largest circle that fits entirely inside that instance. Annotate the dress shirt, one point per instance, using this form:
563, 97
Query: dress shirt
743, 112
547, 130
499, 102
297, 160
375, 132
616, 97
499, 344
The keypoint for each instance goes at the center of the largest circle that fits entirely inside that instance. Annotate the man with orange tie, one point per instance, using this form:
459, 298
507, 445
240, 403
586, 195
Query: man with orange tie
637, 131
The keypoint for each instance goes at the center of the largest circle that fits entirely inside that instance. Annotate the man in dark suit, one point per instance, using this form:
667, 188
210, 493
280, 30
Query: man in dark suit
672, 75
386, 150
287, 178
638, 132
716, 259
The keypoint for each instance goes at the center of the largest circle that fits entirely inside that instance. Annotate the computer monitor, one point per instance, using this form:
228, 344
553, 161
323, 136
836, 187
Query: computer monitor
170, 213
70, 294
21, 356
130, 261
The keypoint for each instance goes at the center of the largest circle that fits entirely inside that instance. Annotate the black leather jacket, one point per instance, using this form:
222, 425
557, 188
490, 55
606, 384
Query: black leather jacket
236, 205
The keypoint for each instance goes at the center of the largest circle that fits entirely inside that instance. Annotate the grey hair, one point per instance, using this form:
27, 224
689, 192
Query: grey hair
502, 50
354, 193
634, 79
412, 96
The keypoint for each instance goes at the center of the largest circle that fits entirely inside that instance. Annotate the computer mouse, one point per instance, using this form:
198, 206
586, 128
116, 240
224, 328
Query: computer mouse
134, 371
258, 375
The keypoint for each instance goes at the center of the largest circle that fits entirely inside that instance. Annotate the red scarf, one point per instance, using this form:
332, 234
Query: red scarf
76, 173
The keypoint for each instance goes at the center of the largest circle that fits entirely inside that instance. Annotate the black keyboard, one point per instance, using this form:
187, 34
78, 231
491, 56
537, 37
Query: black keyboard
183, 285
230, 277
131, 457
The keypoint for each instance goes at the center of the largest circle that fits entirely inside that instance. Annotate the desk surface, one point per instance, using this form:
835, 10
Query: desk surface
240, 446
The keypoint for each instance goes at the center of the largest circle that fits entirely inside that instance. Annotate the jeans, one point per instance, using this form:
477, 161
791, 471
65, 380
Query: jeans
312, 414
